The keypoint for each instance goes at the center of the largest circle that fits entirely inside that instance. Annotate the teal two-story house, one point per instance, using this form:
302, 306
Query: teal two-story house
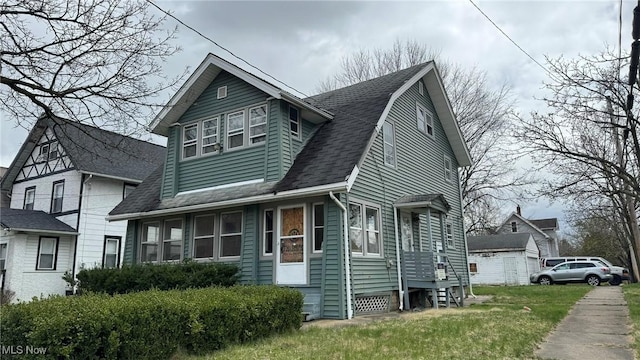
351, 196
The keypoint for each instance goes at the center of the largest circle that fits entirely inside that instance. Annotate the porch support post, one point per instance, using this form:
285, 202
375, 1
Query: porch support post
401, 292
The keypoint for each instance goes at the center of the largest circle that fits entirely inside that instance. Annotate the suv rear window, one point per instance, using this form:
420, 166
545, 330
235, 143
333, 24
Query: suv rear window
553, 262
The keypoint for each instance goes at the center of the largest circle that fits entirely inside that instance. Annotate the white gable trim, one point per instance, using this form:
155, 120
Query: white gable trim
526, 222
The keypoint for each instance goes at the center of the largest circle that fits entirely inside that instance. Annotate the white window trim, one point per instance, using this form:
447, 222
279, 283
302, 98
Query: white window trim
158, 242
235, 257
392, 144
420, 88
314, 227
297, 135
222, 92
191, 142
118, 240
250, 126
53, 148
449, 235
272, 231
246, 132
363, 214
448, 172
6, 253
428, 120
163, 240
26, 197
201, 137
55, 252
212, 237
57, 184
237, 132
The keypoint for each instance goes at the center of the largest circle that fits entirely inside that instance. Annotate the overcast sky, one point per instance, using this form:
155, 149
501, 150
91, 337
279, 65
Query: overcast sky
302, 43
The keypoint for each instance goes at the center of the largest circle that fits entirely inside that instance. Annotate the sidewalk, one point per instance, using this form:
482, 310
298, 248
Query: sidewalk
597, 327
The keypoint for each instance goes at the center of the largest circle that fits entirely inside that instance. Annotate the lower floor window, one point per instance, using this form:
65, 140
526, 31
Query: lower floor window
47, 253
3, 256
473, 267
169, 247
230, 234
111, 257
364, 229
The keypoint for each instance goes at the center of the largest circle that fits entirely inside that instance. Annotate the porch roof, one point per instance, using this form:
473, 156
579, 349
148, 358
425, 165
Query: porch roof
33, 221
424, 201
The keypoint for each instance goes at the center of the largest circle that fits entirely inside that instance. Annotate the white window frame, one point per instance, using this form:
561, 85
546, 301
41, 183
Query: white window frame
56, 185
54, 255
427, 115
364, 230
222, 92
107, 239
215, 145
265, 232
316, 226
420, 88
157, 242
27, 191
236, 132
514, 227
388, 130
4, 249
448, 169
295, 134
171, 240
223, 235
262, 135
43, 155
472, 266
188, 143
53, 149
204, 237
449, 234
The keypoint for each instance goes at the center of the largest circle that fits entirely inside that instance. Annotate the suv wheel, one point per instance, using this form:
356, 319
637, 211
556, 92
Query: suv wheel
593, 280
545, 280
615, 280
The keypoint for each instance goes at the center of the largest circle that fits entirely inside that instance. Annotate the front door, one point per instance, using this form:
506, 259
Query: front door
291, 255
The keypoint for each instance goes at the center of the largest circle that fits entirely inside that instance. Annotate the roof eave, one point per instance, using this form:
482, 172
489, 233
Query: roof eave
42, 231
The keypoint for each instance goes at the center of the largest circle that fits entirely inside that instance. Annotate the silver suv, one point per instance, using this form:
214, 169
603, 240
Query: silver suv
618, 274
591, 272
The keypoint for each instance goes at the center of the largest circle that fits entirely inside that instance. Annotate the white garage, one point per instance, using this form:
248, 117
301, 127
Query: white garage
503, 259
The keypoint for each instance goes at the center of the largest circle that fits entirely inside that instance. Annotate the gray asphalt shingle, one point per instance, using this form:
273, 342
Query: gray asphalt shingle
32, 220
499, 242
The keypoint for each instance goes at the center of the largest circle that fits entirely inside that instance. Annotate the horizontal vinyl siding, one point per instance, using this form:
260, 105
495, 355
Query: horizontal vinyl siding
169, 176
249, 245
315, 271
130, 241
419, 170
265, 272
333, 305
273, 169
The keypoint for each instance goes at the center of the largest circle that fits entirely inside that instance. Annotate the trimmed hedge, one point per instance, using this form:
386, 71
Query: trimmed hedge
134, 278
152, 324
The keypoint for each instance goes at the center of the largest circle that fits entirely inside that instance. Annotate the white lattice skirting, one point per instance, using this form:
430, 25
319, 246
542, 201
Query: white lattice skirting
372, 304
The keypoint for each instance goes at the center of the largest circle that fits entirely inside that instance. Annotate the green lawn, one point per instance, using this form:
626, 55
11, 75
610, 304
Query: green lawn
632, 295
498, 329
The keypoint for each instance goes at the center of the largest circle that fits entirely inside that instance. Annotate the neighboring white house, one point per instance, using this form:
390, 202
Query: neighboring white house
544, 231
503, 259
65, 179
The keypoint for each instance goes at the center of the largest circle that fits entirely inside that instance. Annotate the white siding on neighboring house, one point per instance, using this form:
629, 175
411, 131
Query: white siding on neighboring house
545, 244
100, 196
22, 276
494, 268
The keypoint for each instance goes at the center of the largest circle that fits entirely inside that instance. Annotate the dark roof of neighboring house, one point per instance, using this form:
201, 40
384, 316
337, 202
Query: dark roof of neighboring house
499, 242
327, 158
544, 224
93, 150
31, 220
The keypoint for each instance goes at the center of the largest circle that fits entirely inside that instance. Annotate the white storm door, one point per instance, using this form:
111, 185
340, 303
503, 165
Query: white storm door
406, 231
291, 255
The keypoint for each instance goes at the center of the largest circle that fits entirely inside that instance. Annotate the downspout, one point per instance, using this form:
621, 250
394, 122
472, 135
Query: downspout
400, 290
466, 249
347, 260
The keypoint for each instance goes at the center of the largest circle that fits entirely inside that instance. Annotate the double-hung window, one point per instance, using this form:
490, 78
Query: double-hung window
235, 130
268, 232
258, 124
3, 256
161, 241
294, 122
47, 249
364, 229
190, 141
230, 234
111, 257
210, 136
149, 243
424, 120
514, 226
449, 233
389, 144
318, 227
448, 169
203, 236
56, 196
53, 151
29, 197
172, 240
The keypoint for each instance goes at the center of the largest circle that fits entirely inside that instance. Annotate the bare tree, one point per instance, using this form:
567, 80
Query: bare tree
589, 141
483, 113
94, 61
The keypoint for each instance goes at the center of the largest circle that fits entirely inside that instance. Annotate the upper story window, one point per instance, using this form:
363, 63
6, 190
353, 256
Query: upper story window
514, 226
3, 256
448, 169
267, 248
364, 230
424, 119
294, 122
246, 127
111, 257
56, 196
389, 144
43, 155
420, 88
449, 232
258, 124
29, 197
190, 141
47, 249
235, 130
53, 150
210, 136
318, 227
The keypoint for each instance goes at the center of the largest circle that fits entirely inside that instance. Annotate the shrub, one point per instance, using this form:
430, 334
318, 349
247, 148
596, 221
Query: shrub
133, 278
151, 324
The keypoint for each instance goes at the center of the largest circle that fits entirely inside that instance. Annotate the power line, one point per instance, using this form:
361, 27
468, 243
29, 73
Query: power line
510, 39
223, 48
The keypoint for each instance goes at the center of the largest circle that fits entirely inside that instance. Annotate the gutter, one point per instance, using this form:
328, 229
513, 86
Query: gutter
56, 232
135, 181
347, 252
312, 191
400, 289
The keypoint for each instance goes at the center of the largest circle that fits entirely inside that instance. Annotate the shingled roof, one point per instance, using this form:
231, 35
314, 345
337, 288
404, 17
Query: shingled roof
92, 150
544, 224
33, 221
499, 242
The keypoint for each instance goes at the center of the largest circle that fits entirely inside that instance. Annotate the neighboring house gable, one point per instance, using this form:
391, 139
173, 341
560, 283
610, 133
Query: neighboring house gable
316, 210
547, 240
